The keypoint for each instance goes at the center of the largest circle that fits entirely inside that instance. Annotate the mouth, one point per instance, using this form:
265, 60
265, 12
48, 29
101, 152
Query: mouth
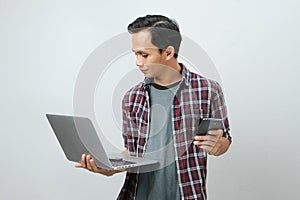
144, 70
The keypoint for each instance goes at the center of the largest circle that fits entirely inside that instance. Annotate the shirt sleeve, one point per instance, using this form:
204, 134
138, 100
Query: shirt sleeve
219, 108
124, 124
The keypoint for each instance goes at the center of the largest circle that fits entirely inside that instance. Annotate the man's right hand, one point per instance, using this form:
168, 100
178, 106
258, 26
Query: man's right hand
87, 162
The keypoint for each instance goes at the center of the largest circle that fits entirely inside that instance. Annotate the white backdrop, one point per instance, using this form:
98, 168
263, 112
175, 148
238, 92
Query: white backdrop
254, 45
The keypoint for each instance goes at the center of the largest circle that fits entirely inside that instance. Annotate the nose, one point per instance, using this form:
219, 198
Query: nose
139, 61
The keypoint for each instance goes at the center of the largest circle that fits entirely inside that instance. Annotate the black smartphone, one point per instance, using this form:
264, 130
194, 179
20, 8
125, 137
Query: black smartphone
207, 124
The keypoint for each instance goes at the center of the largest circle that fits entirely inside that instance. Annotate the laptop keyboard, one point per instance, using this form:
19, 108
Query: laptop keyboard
120, 162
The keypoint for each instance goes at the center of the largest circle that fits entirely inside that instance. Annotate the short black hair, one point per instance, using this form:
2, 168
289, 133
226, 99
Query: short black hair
164, 31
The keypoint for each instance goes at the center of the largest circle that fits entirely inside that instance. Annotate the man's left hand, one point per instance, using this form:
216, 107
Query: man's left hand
213, 142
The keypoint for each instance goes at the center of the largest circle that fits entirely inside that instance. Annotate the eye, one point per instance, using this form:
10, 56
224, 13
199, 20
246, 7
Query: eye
144, 55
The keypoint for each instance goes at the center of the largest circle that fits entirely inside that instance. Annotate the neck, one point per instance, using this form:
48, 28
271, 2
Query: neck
170, 75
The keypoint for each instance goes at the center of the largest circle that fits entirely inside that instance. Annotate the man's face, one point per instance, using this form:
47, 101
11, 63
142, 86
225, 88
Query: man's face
148, 58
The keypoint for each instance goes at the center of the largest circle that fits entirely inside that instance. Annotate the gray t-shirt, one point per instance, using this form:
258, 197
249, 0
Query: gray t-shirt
162, 182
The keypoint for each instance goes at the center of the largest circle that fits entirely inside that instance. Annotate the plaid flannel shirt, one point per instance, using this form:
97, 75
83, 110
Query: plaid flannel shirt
196, 98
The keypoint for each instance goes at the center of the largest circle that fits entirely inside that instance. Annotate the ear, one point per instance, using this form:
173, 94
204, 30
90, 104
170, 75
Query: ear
170, 51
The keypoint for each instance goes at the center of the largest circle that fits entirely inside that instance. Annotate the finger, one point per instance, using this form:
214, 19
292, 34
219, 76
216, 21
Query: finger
199, 138
104, 171
213, 139
112, 172
208, 143
217, 133
78, 165
205, 148
206, 138
88, 162
83, 162
204, 143
101, 170
93, 166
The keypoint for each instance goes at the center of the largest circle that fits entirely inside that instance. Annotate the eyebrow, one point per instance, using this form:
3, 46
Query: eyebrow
139, 51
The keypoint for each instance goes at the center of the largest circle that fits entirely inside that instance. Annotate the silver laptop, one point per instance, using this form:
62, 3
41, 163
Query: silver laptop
78, 136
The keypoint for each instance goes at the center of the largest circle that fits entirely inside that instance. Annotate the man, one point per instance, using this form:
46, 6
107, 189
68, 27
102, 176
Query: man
161, 116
